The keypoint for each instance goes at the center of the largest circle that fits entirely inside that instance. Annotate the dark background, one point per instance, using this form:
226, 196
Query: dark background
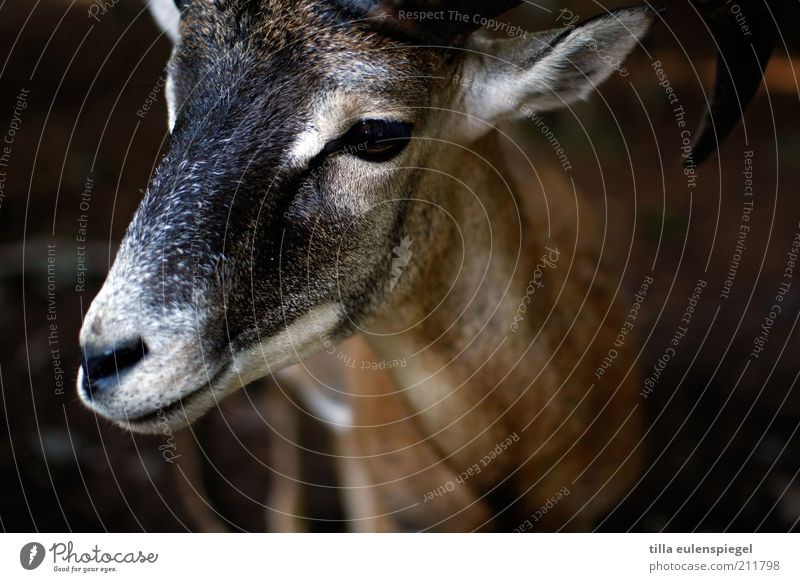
723, 440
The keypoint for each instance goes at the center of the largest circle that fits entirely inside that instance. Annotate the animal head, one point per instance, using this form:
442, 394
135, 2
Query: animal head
299, 133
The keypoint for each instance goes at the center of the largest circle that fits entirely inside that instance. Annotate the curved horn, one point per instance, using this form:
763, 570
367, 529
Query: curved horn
442, 22
745, 41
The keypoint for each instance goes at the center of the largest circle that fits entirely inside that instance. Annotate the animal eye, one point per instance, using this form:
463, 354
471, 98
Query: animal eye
375, 140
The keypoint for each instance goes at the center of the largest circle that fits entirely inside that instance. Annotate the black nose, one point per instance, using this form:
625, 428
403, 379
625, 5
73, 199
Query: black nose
100, 370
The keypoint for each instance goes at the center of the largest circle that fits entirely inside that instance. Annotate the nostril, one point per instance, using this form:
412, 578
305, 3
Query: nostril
110, 362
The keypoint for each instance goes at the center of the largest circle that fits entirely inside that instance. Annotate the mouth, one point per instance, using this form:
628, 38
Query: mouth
178, 413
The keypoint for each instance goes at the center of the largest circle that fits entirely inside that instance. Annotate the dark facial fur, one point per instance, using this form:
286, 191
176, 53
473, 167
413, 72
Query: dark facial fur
229, 220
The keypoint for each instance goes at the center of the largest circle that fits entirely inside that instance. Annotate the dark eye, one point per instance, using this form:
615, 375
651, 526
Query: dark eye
375, 140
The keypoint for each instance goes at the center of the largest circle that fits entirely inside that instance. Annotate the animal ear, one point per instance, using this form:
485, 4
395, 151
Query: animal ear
167, 14
513, 77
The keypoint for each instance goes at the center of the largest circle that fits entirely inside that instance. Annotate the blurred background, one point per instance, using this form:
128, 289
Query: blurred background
722, 442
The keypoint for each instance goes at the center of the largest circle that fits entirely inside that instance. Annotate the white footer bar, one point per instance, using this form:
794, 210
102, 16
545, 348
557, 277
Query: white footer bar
401, 557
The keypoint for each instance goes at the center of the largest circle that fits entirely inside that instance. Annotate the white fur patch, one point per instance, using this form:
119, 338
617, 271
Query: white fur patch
169, 93
320, 400
167, 16
293, 344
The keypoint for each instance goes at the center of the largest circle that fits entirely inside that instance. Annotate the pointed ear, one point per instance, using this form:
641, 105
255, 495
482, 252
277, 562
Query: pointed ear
167, 16
513, 77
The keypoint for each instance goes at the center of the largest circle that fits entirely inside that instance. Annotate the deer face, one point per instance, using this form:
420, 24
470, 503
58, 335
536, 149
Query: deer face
298, 139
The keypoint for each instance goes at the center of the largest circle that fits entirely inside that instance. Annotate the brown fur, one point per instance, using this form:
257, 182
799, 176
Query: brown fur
422, 437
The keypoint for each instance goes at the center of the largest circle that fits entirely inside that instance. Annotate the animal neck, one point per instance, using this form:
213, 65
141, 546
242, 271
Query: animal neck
482, 275
498, 321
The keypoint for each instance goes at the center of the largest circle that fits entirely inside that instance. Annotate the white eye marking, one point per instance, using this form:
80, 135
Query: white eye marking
167, 16
332, 115
308, 145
